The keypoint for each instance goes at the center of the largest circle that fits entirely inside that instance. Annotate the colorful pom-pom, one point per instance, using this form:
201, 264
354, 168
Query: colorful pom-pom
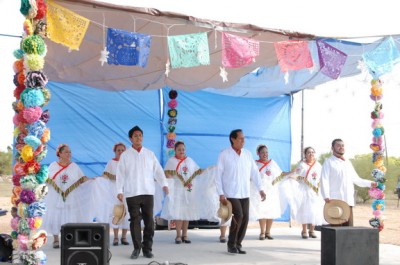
173, 94
34, 62
27, 196
36, 209
32, 114
29, 182
173, 103
17, 93
36, 79
18, 66
376, 193
32, 97
25, 6
34, 45
27, 153
171, 136
28, 28
41, 9
18, 54
31, 167
15, 180
42, 174
41, 191
170, 143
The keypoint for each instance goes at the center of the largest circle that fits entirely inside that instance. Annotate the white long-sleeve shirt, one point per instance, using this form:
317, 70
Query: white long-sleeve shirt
136, 172
338, 178
234, 173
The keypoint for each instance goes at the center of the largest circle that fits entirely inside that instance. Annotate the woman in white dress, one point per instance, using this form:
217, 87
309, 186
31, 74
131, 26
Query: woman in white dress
269, 209
182, 203
68, 199
309, 202
106, 192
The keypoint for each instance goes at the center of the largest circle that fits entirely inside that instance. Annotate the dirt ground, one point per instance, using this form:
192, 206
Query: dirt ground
362, 213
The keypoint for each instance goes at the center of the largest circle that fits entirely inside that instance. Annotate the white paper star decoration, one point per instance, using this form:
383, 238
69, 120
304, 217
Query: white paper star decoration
223, 74
286, 77
104, 56
167, 68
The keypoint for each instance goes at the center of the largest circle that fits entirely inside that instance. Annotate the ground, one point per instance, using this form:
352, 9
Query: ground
362, 213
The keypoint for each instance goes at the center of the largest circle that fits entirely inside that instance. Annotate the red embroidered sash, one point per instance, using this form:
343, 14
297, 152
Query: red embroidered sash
264, 164
58, 172
180, 162
308, 171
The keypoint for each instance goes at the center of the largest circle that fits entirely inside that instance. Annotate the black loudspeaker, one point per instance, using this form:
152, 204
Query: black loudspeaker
85, 243
346, 245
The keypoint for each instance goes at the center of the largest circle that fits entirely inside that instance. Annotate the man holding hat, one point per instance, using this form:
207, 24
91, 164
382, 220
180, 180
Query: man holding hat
338, 177
235, 167
137, 169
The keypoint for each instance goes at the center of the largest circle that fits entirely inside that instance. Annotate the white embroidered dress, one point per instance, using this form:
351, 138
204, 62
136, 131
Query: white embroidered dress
182, 204
78, 204
105, 192
270, 208
308, 199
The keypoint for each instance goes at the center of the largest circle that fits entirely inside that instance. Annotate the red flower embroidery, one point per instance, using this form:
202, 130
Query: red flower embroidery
268, 172
189, 187
185, 170
64, 178
314, 175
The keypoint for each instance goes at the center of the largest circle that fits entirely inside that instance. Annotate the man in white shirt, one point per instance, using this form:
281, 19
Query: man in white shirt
338, 177
235, 168
136, 171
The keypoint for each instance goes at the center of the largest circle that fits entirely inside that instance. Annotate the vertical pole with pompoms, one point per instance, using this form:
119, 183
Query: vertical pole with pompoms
377, 146
171, 135
31, 137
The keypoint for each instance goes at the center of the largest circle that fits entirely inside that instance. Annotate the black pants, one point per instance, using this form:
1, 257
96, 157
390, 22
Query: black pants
141, 207
240, 219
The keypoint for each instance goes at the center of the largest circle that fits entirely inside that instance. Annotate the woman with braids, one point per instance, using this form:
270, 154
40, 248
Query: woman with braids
309, 202
269, 209
183, 202
68, 199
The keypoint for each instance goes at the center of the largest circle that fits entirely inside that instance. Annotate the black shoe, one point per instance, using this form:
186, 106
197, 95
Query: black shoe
240, 251
233, 250
185, 240
124, 242
148, 254
135, 254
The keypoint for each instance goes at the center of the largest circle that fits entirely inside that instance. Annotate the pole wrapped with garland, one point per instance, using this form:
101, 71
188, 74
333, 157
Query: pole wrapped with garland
31, 137
377, 146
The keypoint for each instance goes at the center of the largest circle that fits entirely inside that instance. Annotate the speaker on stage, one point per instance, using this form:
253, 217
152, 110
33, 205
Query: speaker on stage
85, 243
345, 245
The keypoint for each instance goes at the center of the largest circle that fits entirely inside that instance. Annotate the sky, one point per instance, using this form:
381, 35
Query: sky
337, 109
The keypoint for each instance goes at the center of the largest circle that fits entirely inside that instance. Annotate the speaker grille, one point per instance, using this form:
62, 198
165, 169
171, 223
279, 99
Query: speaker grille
85, 243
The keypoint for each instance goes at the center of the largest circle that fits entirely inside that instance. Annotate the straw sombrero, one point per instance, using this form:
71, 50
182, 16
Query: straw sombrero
119, 213
225, 212
336, 212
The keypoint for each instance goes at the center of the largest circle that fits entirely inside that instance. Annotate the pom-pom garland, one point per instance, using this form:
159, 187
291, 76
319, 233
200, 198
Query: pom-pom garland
172, 114
378, 173
31, 135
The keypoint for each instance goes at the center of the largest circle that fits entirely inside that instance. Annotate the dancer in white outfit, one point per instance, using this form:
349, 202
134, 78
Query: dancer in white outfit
183, 202
309, 201
269, 209
106, 194
68, 199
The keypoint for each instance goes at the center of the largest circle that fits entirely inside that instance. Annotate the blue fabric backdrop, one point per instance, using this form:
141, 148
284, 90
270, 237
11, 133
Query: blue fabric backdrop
91, 121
